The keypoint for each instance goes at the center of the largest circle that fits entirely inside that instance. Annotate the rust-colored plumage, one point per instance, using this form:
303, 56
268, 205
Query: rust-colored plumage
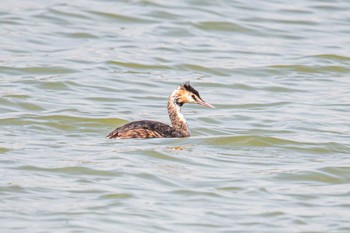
184, 93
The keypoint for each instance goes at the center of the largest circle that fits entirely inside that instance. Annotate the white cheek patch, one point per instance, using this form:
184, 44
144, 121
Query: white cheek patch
190, 99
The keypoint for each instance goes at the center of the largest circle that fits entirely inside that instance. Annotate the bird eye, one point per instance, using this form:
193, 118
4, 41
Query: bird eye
193, 97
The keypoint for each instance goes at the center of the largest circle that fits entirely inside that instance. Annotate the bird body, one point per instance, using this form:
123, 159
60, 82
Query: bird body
184, 93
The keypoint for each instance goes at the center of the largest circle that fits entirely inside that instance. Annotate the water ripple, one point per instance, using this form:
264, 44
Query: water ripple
36, 70
70, 170
272, 156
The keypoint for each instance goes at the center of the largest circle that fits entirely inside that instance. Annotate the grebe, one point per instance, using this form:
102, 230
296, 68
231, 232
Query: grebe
183, 94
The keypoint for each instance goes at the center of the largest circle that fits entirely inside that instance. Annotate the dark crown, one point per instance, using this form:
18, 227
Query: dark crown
187, 86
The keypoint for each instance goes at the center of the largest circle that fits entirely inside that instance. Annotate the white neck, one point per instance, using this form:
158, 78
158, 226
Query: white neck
177, 119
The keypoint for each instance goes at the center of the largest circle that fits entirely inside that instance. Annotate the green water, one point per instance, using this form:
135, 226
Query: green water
272, 157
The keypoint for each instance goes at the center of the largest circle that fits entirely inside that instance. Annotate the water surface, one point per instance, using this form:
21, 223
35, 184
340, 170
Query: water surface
272, 157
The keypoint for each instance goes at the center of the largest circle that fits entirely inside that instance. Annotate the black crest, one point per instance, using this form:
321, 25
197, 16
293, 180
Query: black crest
187, 86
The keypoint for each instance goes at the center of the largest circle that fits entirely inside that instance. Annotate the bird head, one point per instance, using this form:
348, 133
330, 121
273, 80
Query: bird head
185, 93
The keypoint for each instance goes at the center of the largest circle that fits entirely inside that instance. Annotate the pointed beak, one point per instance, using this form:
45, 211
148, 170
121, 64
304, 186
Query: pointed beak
201, 102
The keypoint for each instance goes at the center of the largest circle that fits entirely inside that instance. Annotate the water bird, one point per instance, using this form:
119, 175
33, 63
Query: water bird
183, 94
